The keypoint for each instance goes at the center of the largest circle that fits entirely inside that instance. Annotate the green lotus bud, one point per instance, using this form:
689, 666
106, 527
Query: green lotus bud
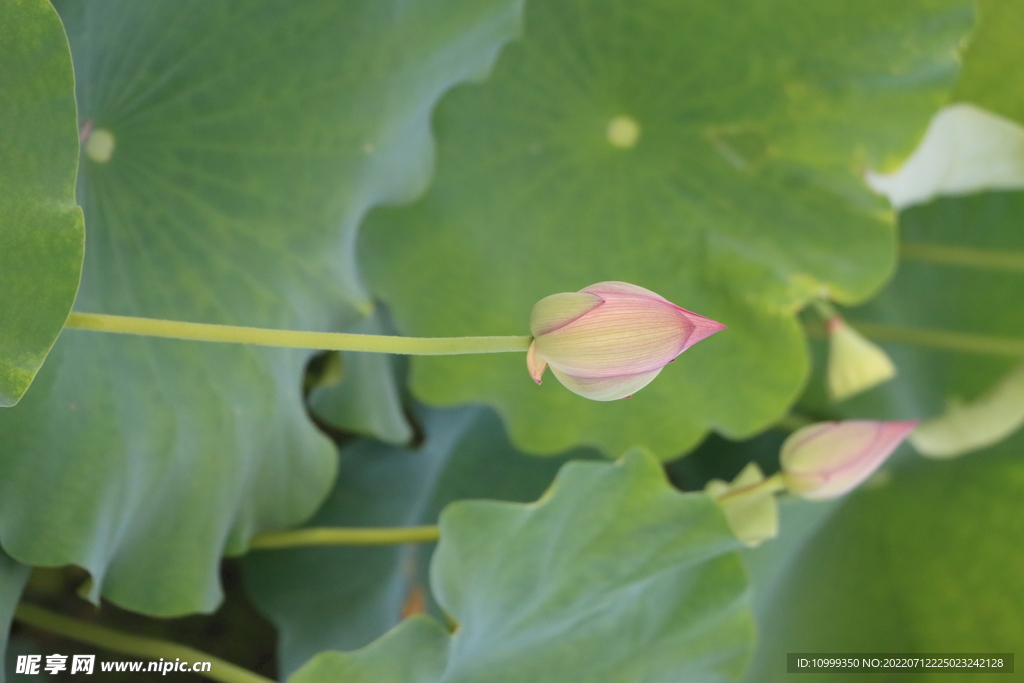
854, 363
749, 504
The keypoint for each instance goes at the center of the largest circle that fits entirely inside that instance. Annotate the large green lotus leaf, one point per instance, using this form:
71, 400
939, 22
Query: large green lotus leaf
41, 234
250, 139
957, 275
740, 199
993, 74
343, 598
930, 561
612, 575
12, 580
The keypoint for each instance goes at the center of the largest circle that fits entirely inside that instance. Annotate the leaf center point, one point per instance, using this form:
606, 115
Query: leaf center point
623, 132
99, 146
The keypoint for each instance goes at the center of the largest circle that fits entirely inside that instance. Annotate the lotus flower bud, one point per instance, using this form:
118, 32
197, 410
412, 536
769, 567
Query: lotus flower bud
611, 339
854, 363
825, 460
749, 505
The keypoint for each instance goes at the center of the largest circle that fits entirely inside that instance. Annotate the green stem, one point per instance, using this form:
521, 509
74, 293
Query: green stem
793, 422
333, 341
150, 648
965, 257
824, 309
774, 483
942, 339
936, 339
345, 536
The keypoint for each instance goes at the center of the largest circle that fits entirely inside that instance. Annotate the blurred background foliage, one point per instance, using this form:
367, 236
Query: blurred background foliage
259, 151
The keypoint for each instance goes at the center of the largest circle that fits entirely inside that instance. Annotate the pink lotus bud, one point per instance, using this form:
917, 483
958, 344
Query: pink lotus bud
827, 459
611, 339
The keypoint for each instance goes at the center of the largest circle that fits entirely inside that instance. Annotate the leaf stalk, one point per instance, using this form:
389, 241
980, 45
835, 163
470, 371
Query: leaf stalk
150, 648
344, 536
331, 341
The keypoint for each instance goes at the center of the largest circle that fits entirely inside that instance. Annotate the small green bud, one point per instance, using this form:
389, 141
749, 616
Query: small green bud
854, 363
749, 505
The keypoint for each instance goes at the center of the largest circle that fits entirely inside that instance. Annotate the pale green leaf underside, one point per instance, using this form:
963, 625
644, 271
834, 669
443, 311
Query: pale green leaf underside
967, 427
966, 149
740, 199
250, 140
613, 576
41, 233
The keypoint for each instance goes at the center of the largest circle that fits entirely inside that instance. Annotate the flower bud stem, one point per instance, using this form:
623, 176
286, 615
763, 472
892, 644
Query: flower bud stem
112, 640
824, 309
964, 342
793, 422
344, 536
964, 257
332, 341
770, 485
942, 339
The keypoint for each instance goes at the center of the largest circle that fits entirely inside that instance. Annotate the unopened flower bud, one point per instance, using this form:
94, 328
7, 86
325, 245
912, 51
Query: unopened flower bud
854, 363
826, 460
610, 339
749, 505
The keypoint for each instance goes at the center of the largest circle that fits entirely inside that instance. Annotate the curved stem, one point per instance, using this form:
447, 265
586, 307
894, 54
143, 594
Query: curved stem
345, 536
793, 421
151, 648
774, 483
964, 257
332, 341
942, 339
824, 309
937, 339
